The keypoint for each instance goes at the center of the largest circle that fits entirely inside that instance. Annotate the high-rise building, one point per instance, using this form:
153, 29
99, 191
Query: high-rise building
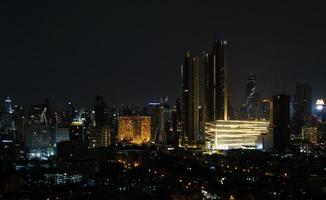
190, 97
8, 105
158, 120
265, 109
99, 111
100, 137
215, 84
302, 98
136, 129
310, 134
6, 117
302, 107
280, 121
252, 98
69, 113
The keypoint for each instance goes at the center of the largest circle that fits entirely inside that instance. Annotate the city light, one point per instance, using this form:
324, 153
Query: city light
320, 104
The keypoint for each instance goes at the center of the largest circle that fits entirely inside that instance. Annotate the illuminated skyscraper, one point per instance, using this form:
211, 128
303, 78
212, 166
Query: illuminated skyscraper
8, 106
215, 94
136, 129
252, 98
281, 121
190, 97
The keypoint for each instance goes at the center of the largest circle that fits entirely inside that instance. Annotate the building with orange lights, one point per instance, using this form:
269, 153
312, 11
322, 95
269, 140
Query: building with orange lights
136, 129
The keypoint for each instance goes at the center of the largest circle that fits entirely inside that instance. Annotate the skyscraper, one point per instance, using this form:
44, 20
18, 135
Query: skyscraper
281, 121
158, 120
216, 95
190, 97
99, 111
251, 97
302, 106
302, 98
8, 106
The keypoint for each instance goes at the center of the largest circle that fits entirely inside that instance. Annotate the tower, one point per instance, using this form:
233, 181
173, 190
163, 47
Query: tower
8, 106
215, 84
252, 98
302, 106
281, 121
99, 111
190, 97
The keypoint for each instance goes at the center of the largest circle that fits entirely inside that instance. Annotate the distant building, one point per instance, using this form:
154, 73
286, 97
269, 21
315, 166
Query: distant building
301, 107
237, 134
253, 99
100, 106
265, 109
6, 117
8, 108
158, 120
61, 134
69, 113
281, 121
41, 139
320, 110
100, 137
215, 83
310, 134
190, 98
136, 129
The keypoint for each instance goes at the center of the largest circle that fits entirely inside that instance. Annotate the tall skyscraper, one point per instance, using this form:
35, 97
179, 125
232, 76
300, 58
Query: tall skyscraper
190, 97
158, 119
251, 97
99, 111
302, 98
302, 106
281, 121
215, 84
69, 113
8, 106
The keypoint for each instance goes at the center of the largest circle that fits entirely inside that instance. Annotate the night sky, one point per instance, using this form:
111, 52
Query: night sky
131, 51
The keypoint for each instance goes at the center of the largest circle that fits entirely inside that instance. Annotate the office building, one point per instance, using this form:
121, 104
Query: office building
100, 137
136, 129
310, 134
158, 120
301, 107
252, 99
100, 106
190, 98
215, 84
280, 121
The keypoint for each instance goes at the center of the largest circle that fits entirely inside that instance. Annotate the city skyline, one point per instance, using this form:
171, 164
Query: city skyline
73, 52
162, 99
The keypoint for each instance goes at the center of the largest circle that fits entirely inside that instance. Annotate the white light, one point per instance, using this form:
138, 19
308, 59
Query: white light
320, 102
319, 107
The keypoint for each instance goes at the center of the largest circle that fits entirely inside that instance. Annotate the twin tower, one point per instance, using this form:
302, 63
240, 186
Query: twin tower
215, 90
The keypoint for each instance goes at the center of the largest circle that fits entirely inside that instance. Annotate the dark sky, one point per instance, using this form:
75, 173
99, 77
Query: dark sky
130, 51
